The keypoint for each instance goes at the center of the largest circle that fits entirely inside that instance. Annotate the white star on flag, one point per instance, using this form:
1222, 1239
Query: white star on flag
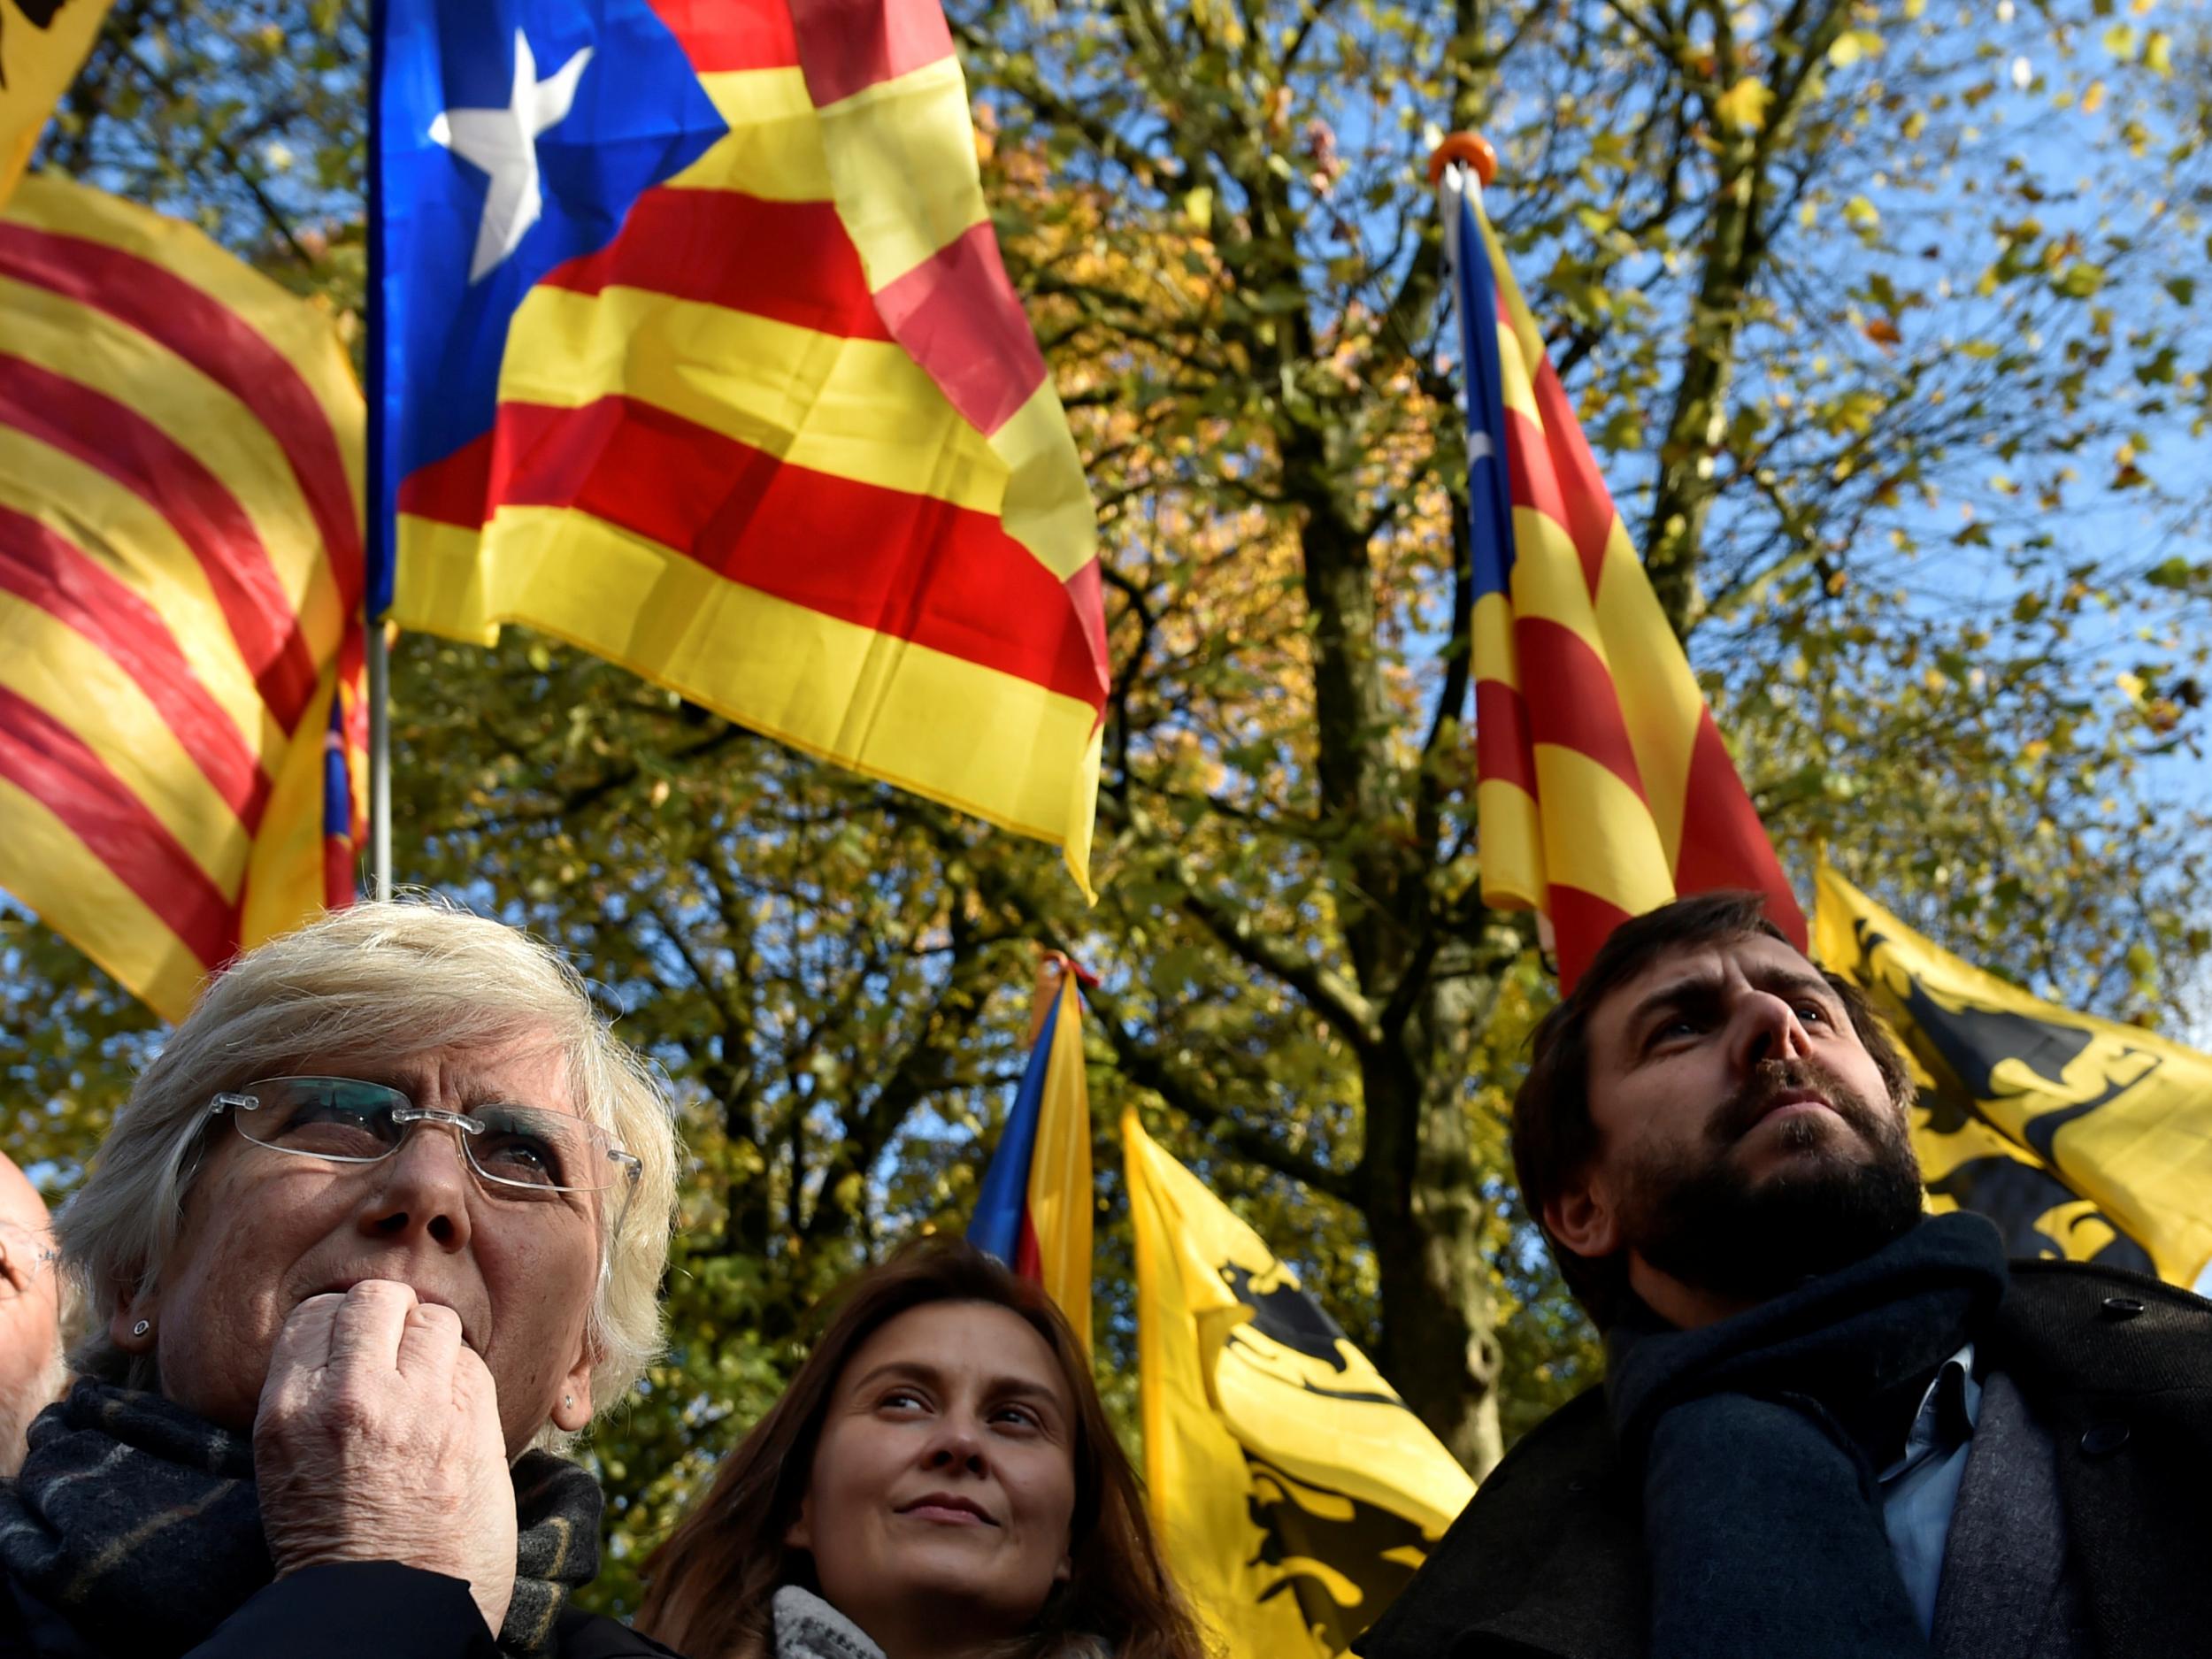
504, 145
1479, 447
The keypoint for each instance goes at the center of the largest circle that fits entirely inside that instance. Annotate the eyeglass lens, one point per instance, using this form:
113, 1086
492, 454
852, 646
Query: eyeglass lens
356, 1122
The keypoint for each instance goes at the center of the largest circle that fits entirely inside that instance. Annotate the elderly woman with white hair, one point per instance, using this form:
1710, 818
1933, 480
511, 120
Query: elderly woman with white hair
382, 1225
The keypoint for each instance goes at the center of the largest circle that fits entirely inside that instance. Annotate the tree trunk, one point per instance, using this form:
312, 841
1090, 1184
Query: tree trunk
1439, 1345
1423, 1207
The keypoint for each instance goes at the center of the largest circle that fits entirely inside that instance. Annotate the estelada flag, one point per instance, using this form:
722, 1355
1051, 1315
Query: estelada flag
1295, 1492
1033, 1212
42, 45
1603, 788
2079, 1137
697, 351
180, 574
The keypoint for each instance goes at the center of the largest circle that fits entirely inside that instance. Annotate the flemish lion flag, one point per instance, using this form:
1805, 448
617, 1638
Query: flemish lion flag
698, 353
180, 575
42, 45
1295, 1493
2079, 1137
1604, 789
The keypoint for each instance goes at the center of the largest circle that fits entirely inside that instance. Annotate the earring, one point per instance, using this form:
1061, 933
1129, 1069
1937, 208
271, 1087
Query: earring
568, 1400
141, 1327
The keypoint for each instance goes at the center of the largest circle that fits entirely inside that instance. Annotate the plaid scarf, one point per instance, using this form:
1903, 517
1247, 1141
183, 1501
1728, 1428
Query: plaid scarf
139, 1524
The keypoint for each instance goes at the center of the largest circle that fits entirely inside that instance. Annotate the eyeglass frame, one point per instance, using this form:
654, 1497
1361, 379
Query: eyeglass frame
407, 1116
42, 1254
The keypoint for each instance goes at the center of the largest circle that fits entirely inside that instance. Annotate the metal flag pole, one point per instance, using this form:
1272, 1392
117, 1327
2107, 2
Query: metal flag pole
380, 761
376, 590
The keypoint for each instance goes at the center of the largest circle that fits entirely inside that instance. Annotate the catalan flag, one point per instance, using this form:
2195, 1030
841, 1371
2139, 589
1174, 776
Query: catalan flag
180, 574
1603, 788
2079, 1137
1034, 1210
698, 353
42, 45
1293, 1490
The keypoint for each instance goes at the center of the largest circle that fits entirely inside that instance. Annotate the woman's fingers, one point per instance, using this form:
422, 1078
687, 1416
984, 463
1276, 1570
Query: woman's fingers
429, 1342
303, 1344
370, 1318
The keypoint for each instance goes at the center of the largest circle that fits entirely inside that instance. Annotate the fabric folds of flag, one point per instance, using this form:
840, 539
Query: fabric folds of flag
1604, 789
716, 372
42, 45
1033, 1212
180, 571
1295, 1493
2079, 1137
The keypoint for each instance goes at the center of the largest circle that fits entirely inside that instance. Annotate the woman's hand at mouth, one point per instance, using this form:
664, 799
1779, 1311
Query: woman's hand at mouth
378, 1438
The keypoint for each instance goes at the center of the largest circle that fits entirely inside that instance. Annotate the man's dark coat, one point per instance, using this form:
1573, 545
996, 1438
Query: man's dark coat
1548, 1558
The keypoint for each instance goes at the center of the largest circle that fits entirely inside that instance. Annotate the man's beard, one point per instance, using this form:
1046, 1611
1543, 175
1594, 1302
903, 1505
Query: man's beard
1700, 1219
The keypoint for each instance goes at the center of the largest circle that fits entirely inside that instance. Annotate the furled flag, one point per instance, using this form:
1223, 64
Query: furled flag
1295, 1493
1034, 1210
42, 45
1603, 788
2079, 1137
181, 577
698, 352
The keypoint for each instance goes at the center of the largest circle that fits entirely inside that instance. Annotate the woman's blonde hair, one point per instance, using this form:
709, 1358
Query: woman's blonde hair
387, 980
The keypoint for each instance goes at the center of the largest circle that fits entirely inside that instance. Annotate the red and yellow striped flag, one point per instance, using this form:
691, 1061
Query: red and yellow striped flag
784, 443
179, 579
1604, 789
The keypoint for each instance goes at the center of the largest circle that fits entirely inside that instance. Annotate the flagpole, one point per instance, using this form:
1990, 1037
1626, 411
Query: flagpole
376, 585
380, 761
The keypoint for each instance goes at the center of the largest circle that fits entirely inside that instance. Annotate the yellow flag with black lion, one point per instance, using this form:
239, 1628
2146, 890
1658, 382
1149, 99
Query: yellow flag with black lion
2080, 1137
1295, 1492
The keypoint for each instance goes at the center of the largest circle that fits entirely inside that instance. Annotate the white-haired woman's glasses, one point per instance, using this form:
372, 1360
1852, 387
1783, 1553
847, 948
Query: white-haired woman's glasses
512, 1148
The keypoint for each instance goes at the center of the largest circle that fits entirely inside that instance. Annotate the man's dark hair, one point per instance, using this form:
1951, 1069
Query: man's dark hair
1553, 1138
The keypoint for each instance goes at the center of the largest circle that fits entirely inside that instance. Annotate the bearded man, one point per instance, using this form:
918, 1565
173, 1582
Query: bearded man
1833, 1427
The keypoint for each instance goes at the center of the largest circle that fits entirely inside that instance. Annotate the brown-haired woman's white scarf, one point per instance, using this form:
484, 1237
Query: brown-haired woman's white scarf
808, 1627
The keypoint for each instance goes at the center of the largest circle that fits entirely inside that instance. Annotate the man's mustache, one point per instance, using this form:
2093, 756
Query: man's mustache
1740, 1113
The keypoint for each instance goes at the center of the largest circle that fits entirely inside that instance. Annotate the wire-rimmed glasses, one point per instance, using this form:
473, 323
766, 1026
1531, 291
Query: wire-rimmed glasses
345, 1121
25, 1254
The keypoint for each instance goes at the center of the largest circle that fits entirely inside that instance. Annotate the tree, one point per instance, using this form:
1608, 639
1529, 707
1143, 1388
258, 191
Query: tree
1235, 259
1812, 300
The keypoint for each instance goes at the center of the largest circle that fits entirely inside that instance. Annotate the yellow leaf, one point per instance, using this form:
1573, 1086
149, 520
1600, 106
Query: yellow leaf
2093, 100
2158, 52
1744, 105
1198, 207
1862, 213
1846, 49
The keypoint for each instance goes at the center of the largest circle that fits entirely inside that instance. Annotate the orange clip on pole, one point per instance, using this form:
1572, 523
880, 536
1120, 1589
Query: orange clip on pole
1472, 148
1053, 967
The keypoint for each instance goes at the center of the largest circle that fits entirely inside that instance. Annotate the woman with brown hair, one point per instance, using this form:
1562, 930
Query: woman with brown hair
938, 1482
